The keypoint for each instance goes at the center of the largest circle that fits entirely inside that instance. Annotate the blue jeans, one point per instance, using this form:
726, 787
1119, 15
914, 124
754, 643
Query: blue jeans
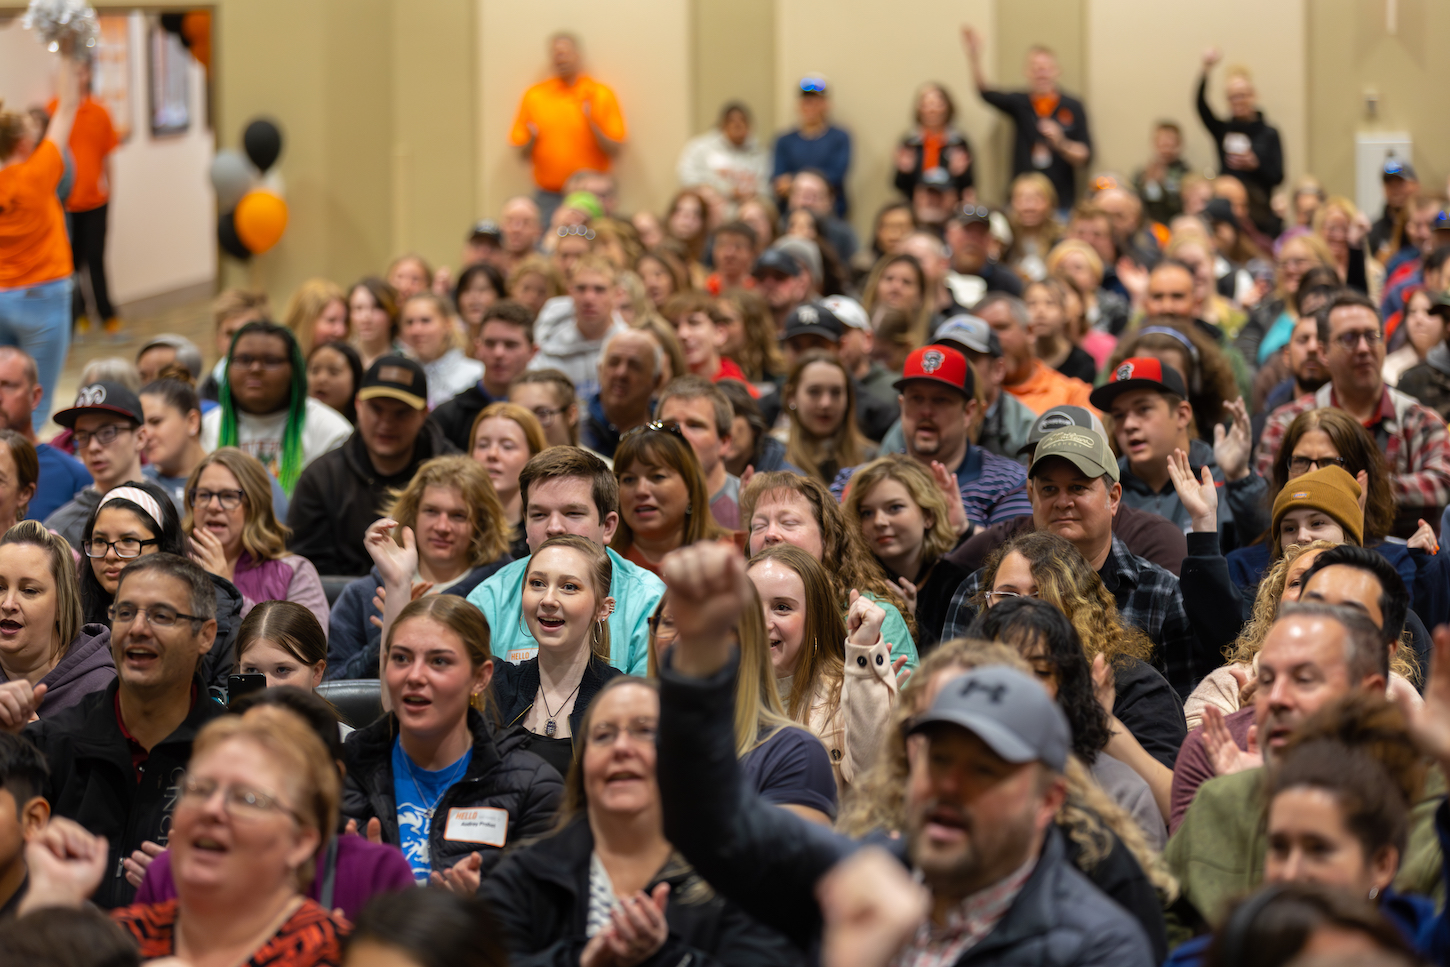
37, 319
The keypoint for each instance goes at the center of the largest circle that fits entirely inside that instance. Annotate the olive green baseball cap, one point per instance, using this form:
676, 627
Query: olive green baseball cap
1084, 448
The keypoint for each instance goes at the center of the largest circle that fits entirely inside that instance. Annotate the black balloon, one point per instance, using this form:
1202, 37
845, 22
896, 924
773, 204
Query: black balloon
263, 143
227, 238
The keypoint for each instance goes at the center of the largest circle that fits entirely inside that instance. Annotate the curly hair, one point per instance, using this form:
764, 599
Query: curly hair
922, 489
1209, 375
845, 447
1358, 451
1043, 635
760, 357
848, 562
1066, 581
1266, 602
1090, 817
490, 538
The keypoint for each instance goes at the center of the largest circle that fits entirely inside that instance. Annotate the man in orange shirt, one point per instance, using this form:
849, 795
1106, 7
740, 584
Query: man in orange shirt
92, 139
569, 122
1036, 385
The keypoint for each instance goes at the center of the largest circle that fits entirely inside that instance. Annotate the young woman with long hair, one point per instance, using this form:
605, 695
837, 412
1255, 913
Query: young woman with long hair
334, 375
663, 275
427, 331
820, 400
372, 315
19, 477
898, 282
632, 898
235, 534
787, 508
132, 520
480, 286
1049, 326
504, 437
409, 274
1032, 215
437, 751
835, 676
687, 222
750, 336
173, 432
566, 604
317, 313
663, 500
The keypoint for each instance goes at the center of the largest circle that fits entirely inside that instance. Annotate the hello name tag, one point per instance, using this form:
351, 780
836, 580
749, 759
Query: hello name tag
519, 655
484, 824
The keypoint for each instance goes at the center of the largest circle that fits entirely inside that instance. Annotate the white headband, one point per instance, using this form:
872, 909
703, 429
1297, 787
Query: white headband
137, 496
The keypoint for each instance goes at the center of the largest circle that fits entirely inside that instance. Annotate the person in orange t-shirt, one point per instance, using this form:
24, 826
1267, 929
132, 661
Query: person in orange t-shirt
567, 123
1036, 385
92, 139
35, 254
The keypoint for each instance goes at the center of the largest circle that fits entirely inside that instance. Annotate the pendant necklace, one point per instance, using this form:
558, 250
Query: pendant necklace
550, 726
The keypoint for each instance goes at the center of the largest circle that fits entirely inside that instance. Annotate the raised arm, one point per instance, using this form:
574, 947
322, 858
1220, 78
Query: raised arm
1205, 112
68, 99
972, 41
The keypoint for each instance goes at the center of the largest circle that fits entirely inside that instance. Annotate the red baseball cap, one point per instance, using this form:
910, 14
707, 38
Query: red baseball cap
939, 364
1138, 372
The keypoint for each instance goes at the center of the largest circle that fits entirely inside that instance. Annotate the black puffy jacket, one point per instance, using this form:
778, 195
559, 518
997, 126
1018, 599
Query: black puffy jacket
501, 775
541, 895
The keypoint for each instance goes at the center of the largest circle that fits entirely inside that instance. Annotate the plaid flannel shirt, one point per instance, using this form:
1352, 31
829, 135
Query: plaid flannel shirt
1411, 436
1148, 598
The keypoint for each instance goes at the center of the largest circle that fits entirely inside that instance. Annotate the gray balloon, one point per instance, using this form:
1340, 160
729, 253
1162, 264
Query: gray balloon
232, 175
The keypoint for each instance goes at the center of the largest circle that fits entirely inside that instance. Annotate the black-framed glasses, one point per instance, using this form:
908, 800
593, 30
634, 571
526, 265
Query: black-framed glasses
158, 616
1298, 465
658, 426
229, 499
240, 802
1349, 341
105, 436
126, 548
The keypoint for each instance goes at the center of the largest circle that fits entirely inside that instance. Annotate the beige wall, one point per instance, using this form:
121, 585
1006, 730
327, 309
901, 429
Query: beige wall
640, 48
1022, 24
874, 61
1144, 58
734, 60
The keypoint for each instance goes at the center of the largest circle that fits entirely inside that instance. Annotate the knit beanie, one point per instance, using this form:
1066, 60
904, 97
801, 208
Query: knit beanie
1328, 489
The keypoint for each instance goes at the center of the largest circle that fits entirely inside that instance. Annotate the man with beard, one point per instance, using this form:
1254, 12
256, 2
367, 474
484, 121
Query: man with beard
938, 404
1314, 654
984, 784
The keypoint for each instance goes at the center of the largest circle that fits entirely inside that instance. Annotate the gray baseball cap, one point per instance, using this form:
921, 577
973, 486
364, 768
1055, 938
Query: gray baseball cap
1006, 709
1057, 418
971, 331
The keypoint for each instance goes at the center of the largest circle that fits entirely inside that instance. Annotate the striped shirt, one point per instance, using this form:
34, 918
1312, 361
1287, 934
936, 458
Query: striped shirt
993, 488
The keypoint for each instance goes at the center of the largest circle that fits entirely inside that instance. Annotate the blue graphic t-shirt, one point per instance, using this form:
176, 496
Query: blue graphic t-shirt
417, 792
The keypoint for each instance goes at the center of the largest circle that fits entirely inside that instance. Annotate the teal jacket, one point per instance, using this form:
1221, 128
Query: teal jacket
635, 592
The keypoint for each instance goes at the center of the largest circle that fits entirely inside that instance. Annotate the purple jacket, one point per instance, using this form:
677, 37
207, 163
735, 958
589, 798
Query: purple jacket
364, 869
85, 667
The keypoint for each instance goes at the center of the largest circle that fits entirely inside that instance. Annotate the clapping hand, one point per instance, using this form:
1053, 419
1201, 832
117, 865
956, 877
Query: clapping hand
946, 482
18, 702
1199, 496
136, 864
1425, 539
637, 930
462, 877
1211, 56
1223, 751
374, 830
870, 906
1231, 447
709, 591
397, 564
1430, 722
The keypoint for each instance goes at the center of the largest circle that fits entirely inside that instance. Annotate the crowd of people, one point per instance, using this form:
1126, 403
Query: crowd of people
1055, 583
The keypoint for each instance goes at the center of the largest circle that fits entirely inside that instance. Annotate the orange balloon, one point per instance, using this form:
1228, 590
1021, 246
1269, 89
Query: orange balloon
261, 218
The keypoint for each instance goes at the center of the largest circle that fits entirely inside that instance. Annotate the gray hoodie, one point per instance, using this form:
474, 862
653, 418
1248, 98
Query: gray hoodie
85, 667
561, 346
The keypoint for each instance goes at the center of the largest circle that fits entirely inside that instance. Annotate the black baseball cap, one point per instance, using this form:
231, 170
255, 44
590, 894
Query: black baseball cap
776, 260
813, 319
1440, 305
936, 178
103, 397
975, 214
397, 378
1398, 168
485, 228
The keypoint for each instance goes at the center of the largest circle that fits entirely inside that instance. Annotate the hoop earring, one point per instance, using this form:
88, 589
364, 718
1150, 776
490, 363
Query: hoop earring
523, 628
599, 632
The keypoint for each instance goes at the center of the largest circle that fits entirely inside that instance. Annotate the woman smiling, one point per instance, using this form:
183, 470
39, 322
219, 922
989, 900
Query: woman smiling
505, 436
660, 487
428, 333
44, 650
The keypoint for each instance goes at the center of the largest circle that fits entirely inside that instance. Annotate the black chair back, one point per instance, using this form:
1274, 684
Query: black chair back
358, 701
332, 585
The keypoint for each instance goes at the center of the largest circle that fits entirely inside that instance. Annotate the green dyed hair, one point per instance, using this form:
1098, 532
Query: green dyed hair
290, 466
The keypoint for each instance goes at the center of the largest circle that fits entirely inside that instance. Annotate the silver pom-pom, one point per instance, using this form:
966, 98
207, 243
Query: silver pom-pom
57, 20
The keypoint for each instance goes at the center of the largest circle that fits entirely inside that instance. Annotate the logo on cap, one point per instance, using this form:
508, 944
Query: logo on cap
994, 692
92, 395
1301, 495
1085, 440
1125, 371
1054, 421
396, 374
808, 316
931, 361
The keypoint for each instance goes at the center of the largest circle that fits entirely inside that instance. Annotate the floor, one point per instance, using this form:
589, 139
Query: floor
191, 318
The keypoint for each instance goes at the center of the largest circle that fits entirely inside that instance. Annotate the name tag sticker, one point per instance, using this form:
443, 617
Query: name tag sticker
518, 655
485, 825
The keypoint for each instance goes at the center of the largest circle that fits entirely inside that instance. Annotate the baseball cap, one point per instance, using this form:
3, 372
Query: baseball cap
102, 397
849, 311
586, 202
936, 178
776, 260
485, 228
1441, 222
1398, 168
1220, 210
187, 353
1085, 449
397, 378
1440, 305
813, 319
971, 332
813, 84
972, 214
938, 364
805, 253
1009, 711
1059, 417
1138, 372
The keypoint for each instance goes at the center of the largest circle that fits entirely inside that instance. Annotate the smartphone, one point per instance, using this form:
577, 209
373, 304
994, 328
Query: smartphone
239, 685
1236, 142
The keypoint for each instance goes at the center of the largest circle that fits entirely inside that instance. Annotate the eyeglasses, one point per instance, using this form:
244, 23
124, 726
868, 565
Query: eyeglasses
642, 732
239, 801
997, 597
1349, 341
658, 426
247, 361
105, 436
584, 232
229, 499
126, 548
159, 616
1298, 465
546, 415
